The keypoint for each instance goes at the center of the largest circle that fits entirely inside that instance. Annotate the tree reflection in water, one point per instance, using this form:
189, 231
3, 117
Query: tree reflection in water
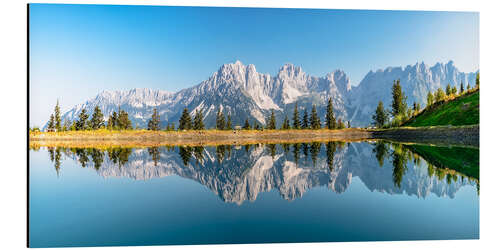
240, 159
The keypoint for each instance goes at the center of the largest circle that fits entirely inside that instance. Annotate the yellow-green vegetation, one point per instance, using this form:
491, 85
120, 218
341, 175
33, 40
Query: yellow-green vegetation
461, 110
104, 137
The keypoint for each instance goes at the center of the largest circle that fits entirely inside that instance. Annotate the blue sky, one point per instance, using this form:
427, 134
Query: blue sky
77, 51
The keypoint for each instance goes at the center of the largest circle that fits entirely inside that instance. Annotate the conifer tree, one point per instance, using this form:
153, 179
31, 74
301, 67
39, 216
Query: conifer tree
439, 95
154, 123
296, 119
454, 90
305, 120
170, 127
461, 87
97, 120
198, 121
247, 125
229, 124
51, 125
73, 126
380, 117
271, 122
340, 125
477, 80
109, 124
348, 124
81, 124
286, 123
57, 117
418, 107
315, 121
185, 120
220, 120
123, 120
468, 87
114, 120
330, 117
430, 98
448, 89
398, 99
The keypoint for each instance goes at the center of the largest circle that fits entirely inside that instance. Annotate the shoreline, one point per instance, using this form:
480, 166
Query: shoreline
461, 135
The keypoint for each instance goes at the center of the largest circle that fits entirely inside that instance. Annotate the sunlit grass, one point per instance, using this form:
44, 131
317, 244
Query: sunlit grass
456, 111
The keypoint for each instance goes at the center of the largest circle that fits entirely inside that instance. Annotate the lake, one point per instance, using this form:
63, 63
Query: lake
261, 193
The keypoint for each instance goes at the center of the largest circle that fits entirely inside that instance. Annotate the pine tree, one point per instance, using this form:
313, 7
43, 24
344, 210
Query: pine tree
109, 124
198, 121
220, 120
81, 124
348, 124
454, 90
154, 123
271, 122
73, 126
114, 120
305, 120
340, 125
430, 98
57, 117
448, 90
97, 120
477, 80
296, 119
286, 123
123, 120
439, 95
330, 117
418, 107
461, 87
380, 117
229, 124
247, 125
185, 120
315, 121
51, 125
468, 87
170, 127
398, 99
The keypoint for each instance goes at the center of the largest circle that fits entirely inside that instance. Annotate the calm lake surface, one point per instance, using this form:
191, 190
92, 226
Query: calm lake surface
307, 192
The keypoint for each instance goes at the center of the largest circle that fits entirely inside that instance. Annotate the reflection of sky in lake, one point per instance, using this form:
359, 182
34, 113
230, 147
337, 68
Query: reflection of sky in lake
235, 196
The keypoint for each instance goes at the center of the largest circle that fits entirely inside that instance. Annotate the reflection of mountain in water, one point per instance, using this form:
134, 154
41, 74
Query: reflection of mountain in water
239, 173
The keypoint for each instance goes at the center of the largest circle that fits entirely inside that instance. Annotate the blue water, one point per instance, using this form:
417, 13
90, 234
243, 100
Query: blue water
262, 195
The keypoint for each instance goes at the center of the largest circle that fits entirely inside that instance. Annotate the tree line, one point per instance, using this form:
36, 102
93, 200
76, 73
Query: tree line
400, 112
120, 121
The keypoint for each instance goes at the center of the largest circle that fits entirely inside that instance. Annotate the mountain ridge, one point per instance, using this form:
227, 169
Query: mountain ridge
241, 91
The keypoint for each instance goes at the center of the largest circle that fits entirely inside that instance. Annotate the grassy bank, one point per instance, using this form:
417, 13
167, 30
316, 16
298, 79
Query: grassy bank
463, 110
460, 135
204, 137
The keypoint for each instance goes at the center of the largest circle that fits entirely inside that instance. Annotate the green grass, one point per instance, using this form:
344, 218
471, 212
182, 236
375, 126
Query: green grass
463, 110
461, 159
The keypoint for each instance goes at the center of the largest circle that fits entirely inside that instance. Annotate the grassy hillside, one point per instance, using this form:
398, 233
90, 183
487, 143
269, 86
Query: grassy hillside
463, 110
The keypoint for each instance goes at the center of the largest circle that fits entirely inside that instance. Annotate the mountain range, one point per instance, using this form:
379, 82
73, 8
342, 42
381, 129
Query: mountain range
237, 174
244, 93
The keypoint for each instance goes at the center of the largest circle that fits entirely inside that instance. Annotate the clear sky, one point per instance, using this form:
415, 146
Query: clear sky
77, 51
